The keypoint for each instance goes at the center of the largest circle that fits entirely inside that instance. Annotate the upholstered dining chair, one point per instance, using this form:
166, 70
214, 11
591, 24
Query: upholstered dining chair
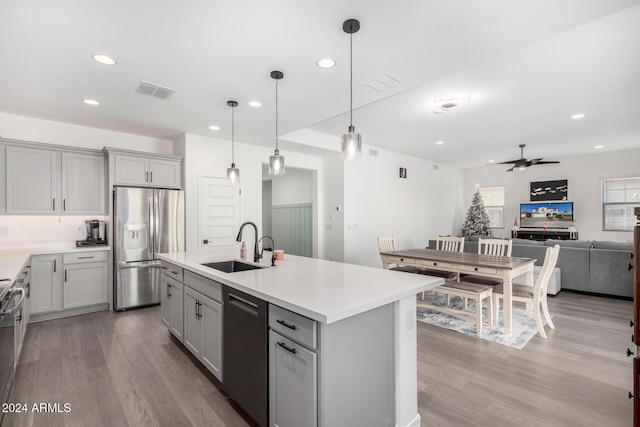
534, 296
496, 247
388, 244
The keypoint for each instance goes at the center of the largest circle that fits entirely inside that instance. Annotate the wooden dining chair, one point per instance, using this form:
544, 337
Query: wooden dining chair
388, 244
497, 247
534, 296
447, 244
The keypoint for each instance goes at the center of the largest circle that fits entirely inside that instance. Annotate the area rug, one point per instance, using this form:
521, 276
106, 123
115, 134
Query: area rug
523, 328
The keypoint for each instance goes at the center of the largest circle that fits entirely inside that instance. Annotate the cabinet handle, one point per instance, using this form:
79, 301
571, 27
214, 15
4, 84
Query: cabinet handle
174, 272
151, 176
475, 268
163, 267
54, 265
28, 286
435, 263
287, 325
64, 204
168, 289
289, 349
54, 205
85, 257
65, 275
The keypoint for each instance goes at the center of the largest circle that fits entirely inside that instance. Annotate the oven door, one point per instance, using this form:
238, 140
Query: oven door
9, 307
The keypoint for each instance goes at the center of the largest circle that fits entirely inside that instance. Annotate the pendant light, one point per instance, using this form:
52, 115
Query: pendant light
351, 141
276, 162
233, 173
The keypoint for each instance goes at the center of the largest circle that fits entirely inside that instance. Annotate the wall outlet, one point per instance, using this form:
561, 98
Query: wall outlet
4, 230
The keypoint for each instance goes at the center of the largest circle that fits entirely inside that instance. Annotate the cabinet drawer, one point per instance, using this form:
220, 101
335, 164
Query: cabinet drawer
396, 259
294, 326
94, 256
435, 264
173, 271
206, 287
472, 269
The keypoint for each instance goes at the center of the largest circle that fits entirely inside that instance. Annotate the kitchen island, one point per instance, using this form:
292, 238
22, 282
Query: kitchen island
362, 324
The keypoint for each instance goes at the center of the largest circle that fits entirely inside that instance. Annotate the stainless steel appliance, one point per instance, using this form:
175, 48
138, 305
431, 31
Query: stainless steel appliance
11, 298
146, 222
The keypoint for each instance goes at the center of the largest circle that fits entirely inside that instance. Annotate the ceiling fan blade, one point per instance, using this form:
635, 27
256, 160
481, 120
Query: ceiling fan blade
510, 170
544, 163
534, 161
508, 162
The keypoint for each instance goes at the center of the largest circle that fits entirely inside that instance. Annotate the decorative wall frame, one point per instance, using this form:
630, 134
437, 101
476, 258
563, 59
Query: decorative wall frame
549, 190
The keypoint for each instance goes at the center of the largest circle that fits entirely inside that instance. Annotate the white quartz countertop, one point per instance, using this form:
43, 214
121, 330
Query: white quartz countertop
12, 259
325, 291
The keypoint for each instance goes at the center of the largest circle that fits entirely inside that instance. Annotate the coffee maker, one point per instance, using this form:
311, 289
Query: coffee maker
96, 233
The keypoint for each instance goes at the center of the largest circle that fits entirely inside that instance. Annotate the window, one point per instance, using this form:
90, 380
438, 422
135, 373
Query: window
619, 197
493, 198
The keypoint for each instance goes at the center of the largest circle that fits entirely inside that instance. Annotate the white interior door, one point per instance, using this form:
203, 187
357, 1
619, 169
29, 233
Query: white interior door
219, 211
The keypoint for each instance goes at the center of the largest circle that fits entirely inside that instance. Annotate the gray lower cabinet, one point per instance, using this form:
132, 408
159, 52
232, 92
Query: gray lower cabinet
292, 383
172, 300
46, 283
84, 284
203, 329
293, 369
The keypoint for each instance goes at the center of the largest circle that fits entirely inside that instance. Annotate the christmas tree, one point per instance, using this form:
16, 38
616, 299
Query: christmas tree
477, 222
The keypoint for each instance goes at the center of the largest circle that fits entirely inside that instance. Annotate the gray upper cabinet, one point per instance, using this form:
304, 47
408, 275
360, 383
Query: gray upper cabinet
41, 181
147, 171
3, 176
83, 184
32, 181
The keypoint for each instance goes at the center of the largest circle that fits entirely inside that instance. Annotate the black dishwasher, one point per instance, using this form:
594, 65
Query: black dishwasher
245, 361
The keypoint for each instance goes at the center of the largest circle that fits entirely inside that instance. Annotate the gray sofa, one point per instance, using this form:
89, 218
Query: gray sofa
585, 265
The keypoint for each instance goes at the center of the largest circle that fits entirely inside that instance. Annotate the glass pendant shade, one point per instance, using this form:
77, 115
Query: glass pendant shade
276, 163
351, 145
233, 173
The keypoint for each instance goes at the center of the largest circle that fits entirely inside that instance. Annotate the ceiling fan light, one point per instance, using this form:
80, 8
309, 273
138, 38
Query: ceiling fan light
351, 145
521, 168
276, 163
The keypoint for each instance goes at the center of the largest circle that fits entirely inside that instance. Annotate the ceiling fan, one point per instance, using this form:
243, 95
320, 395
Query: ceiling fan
522, 163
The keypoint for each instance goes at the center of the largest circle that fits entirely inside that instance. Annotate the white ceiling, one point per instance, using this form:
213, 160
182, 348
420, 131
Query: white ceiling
528, 65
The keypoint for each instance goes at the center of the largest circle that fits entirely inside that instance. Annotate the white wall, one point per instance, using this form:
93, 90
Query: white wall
267, 212
213, 156
334, 199
584, 174
50, 132
377, 202
29, 230
294, 187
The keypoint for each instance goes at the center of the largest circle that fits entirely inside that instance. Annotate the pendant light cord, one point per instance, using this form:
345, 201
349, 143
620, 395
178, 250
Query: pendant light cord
233, 127
351, 81
276, 114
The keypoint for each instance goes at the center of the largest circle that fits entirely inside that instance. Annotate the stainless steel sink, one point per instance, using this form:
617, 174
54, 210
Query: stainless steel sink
232, 266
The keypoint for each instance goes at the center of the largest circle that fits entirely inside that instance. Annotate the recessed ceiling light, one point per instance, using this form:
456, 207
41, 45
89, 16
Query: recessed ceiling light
255, 104
449, 103
597, 147
91, 102
214, 127
439, 142
577, 116
326, 63
104, 59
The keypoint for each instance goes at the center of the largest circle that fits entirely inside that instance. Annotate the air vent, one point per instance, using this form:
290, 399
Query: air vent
156, 91
383, 83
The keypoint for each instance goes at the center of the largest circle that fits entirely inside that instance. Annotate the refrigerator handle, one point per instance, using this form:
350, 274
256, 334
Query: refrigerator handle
153, 233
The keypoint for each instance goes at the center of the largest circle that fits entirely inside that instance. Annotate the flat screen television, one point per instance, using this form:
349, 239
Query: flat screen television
554, 215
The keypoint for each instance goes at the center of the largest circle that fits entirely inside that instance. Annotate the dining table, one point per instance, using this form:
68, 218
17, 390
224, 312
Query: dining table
498, 267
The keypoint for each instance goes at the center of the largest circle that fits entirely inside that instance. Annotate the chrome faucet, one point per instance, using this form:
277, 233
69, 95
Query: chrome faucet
273, 249
256, 254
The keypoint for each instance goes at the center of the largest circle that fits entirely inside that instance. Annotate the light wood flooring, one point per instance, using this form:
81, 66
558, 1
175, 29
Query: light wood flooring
119, 369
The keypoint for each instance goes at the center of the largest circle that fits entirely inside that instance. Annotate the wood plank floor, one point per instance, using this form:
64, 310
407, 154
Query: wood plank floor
124, 369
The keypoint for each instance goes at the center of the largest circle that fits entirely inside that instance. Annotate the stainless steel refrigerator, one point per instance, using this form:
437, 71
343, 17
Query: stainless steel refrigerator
146, 222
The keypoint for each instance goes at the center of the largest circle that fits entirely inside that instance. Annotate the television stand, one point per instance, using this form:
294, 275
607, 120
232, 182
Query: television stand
542, 235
